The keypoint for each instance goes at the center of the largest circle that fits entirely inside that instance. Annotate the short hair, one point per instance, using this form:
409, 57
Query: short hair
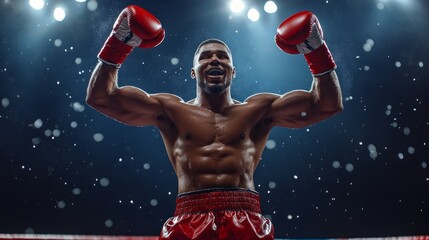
212, 40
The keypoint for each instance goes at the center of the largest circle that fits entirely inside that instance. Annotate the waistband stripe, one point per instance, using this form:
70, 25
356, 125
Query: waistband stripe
218, 201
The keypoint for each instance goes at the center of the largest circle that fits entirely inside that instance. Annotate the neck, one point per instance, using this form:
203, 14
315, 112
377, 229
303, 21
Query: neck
214, 102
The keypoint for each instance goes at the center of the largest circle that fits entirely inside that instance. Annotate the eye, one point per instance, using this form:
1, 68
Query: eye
204, 56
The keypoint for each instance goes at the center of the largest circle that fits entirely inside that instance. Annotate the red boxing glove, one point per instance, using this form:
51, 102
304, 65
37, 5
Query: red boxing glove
302, 33
134, 27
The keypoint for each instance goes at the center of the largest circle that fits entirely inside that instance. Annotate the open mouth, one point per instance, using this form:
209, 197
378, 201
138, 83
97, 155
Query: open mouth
214, 72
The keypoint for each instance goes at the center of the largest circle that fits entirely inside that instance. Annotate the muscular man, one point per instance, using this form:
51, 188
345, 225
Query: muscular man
214, 142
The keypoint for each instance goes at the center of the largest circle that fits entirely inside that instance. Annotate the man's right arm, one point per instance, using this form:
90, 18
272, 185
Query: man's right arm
127, 104
134, 27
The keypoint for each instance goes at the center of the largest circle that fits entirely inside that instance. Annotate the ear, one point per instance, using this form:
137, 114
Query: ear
192, 73
234, 72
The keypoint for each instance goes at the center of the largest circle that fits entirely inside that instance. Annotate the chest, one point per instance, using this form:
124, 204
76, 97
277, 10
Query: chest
205, 127
198, 127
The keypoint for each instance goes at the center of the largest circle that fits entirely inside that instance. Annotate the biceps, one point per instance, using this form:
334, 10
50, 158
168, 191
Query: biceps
130, 105
132, 99
295, 109
293, 103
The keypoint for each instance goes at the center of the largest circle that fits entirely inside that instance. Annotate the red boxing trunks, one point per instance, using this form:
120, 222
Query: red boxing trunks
218, 214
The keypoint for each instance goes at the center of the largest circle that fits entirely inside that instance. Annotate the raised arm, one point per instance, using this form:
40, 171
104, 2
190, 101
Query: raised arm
302, 33
135, 27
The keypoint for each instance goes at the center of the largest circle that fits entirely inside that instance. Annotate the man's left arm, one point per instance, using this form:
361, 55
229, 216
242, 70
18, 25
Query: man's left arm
301, 108
302, 33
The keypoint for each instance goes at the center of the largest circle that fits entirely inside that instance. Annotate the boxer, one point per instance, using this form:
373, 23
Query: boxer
213, 141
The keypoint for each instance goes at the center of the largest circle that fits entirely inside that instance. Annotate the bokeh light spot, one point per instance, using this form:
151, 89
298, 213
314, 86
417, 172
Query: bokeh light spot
270, 7
98, 137
92, 5
271, 144
59, 14
253, 15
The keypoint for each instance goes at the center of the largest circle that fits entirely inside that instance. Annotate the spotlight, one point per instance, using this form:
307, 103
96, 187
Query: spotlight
236, 6
37, 4
270, 7
59, 14
80, 0
253, 15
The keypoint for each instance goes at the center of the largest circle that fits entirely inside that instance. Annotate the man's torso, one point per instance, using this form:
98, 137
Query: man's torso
214, 149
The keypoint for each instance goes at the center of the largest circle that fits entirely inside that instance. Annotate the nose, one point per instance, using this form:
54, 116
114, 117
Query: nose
214, 60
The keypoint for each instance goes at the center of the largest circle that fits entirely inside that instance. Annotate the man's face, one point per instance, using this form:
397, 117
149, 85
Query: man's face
213, 68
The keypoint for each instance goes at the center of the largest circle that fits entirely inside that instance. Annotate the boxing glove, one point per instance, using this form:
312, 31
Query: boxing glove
302, 33
134, 27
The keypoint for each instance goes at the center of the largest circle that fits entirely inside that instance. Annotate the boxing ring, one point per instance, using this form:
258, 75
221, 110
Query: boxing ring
101, 237
73, 237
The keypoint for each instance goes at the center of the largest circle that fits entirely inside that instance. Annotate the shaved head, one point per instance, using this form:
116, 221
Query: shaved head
212, 40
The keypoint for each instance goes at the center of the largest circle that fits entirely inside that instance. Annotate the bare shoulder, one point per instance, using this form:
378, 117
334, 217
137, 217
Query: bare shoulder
262, 98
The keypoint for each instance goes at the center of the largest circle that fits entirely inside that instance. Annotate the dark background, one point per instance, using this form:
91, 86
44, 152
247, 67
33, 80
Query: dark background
362, 173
